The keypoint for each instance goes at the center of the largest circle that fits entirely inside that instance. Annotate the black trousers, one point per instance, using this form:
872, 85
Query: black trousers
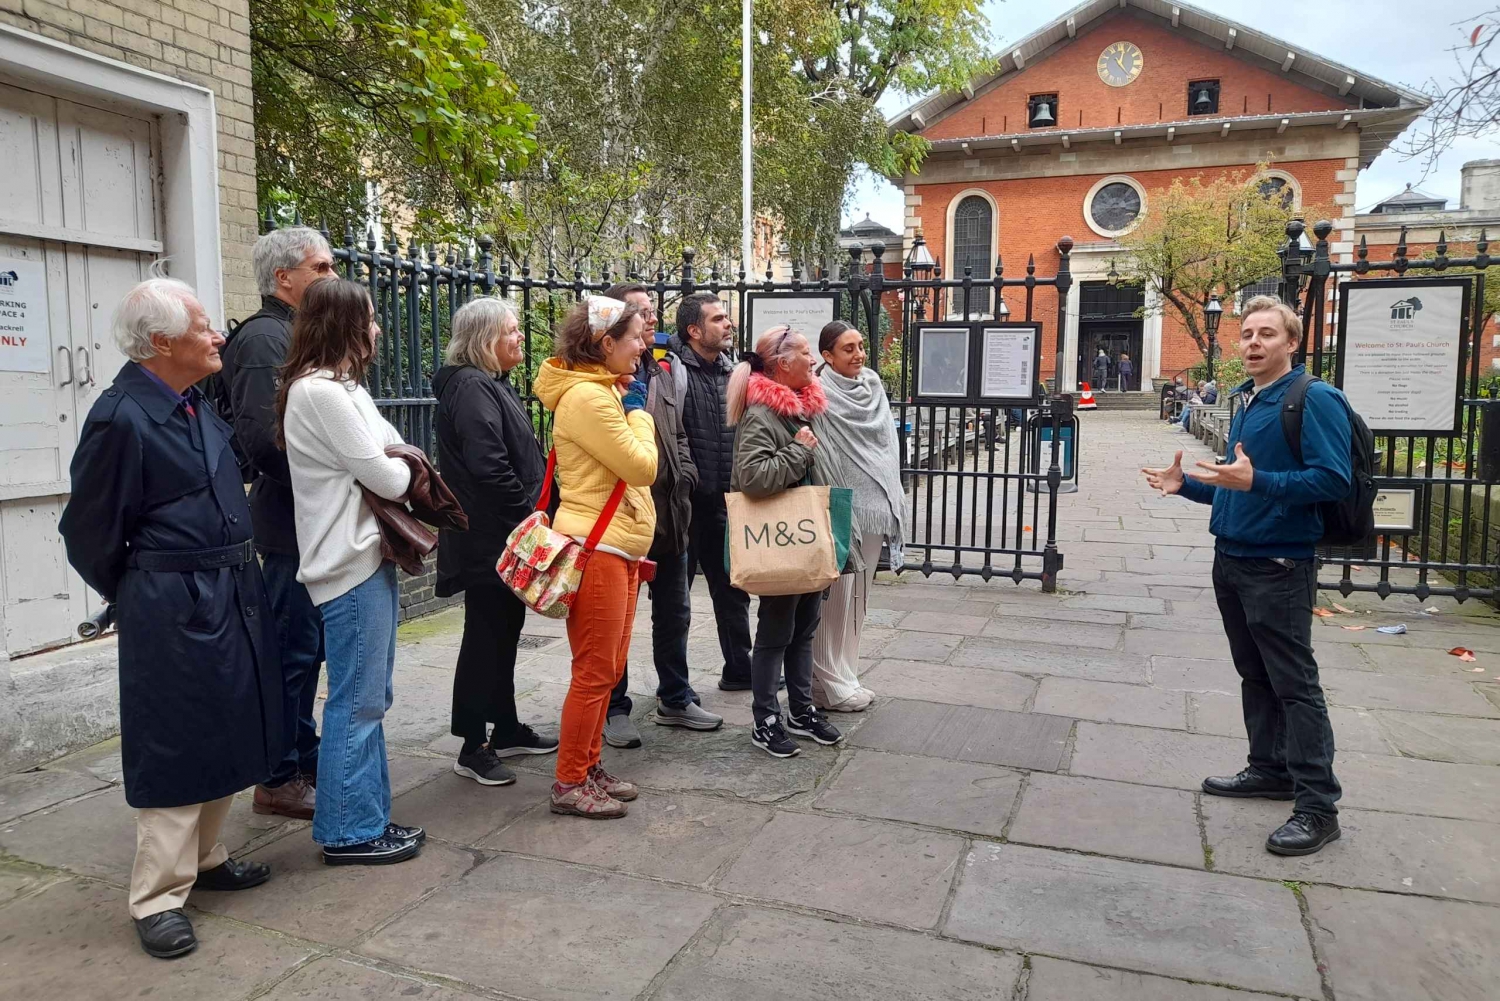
484, 683
784, 641
1267, 610
671, 615
731, 605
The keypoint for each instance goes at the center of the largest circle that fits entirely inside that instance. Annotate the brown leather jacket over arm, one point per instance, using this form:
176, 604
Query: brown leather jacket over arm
404, 539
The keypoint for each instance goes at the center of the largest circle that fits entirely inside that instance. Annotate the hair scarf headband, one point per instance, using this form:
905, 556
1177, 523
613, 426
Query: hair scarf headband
604, 313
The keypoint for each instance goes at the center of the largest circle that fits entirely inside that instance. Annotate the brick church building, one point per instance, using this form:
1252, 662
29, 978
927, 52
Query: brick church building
1085, 120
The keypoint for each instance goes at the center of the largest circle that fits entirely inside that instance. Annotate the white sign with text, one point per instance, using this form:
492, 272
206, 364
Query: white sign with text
805, 313
24, 335
1008, 356
1401, 352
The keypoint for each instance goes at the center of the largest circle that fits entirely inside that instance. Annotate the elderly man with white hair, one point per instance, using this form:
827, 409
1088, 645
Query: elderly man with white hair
158, 524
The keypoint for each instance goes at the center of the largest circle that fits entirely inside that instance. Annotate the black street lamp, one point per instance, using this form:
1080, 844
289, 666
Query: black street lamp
1212, 314
921, 265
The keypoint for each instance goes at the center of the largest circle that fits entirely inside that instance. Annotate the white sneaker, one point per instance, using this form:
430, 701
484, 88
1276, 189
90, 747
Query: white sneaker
856, 703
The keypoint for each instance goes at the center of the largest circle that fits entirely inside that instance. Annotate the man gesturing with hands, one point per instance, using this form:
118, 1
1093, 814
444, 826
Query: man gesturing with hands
1266, 524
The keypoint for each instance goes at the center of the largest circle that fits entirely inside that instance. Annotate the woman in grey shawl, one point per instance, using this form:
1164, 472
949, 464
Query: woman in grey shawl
859, 432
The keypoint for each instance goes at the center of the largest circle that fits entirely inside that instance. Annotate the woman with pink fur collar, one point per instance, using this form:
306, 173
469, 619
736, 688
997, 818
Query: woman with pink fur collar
771, 399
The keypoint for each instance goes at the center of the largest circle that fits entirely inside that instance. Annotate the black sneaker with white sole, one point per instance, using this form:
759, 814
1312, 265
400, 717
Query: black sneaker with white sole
770, 736
376, 851
484, 767
524, 741
399, 832
812, 723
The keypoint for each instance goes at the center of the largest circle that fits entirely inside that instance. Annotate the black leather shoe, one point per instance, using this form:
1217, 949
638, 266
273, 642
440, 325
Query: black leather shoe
232, 875
1304, 834
727, 685
167, 934
1246, 784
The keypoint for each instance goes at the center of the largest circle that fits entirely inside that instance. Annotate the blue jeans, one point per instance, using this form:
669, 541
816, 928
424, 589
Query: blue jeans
299, 632
671, 615
354, 783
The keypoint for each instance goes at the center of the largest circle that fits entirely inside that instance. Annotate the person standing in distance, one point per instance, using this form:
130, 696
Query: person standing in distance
1266, 524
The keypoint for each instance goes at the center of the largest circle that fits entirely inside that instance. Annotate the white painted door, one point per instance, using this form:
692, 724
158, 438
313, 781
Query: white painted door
82, 203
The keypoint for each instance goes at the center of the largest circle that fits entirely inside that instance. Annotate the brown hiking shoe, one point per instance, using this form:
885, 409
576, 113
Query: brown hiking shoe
616, 788
585, 800
295, 799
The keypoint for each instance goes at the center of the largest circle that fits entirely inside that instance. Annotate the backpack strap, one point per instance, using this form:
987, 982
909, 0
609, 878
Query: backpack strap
1292, 406
605, 516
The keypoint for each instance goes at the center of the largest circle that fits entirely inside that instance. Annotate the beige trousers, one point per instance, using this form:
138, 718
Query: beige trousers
171, 847
836, 644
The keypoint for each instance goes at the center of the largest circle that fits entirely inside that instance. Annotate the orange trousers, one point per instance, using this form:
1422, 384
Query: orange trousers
599, 635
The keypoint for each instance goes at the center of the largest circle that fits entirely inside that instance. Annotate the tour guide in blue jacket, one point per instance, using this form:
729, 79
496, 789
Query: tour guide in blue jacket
1266, 524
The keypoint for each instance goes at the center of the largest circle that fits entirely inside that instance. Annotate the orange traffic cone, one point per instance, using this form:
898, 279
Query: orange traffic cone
1086, 399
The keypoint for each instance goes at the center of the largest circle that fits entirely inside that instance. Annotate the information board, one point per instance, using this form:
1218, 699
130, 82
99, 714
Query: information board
1009, 362
1400, 358
943, 362
25, 340
805, 312
981, 363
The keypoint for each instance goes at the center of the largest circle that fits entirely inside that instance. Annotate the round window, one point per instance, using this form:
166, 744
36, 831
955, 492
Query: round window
1115, 206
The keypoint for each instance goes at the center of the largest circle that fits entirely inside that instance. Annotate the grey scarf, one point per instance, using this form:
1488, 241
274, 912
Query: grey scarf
861, 435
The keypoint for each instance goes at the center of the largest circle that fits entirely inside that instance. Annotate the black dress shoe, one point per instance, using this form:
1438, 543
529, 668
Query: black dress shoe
232, 875
728, 685
1246, 784
167, 934
1304, 834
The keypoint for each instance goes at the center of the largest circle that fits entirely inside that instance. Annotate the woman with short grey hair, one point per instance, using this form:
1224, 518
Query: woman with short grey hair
491, 459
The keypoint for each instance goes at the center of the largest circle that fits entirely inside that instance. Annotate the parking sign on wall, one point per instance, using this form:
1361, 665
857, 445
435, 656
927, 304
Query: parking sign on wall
24, 338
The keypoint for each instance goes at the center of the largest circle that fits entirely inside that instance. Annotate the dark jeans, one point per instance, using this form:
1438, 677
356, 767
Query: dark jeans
731, 605
671, 615
784, 639
484, 683
299, 632
1267, 611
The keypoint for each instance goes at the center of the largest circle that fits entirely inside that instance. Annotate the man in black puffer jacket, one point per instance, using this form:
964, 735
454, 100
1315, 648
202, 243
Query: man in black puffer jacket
705, 335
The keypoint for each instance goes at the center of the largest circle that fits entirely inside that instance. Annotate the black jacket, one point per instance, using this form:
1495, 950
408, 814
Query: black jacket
252, 360
700, 390
676, 474
200, 674
489, 457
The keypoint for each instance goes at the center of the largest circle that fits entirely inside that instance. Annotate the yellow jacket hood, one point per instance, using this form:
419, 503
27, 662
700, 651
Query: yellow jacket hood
555, 378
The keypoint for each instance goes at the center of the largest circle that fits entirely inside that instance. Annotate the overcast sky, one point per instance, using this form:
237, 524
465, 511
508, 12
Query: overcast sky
1398, 41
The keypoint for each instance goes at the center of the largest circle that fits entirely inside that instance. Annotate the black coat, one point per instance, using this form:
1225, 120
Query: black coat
490, 459
700, 392
676, 475
200, 674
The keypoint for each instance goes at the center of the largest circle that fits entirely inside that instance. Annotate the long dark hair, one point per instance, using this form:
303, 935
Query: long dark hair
331, 331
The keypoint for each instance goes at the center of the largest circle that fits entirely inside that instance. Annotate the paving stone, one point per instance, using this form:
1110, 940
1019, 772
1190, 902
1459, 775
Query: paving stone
1190, 674
76, 940
1376, 851
722, 760
26, 792
452, 808
1149, 918
332, 979
1070, 634
1380, 691
1406, 785
946, 623
102, 761
543, 918
1430, 663
864, 868
966, 733
1109, 818
1210, 644
934, 648
1184, 625
1154, 757
1170, 539
1117, 584
17, 881
1060, 611
1118, 602
1034, 658
743, 954
408, 771
1384, 947
1353, 729
1058, 980
1442, 738
684, 839
1111, 703
906, 598
905, 679
957, 795
1176, 592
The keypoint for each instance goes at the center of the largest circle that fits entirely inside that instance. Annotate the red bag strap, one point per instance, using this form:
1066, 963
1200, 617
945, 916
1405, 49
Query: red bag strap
545, 498
605, 516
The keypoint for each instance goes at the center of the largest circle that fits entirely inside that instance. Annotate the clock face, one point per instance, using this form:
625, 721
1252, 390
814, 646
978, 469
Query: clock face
1120, 63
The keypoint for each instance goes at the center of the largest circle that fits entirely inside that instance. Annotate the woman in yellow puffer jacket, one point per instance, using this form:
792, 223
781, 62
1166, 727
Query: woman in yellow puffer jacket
603, 435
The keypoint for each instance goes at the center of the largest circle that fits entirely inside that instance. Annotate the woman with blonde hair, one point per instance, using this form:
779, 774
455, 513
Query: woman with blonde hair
606, 462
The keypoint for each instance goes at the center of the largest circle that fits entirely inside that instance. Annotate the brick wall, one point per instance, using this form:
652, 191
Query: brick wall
417, 595
205, 42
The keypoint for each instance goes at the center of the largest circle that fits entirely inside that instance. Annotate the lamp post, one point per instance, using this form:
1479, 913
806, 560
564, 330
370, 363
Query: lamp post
919, 261
1212, 314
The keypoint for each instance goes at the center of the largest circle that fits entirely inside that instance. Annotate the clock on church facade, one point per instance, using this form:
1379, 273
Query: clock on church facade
1120, 63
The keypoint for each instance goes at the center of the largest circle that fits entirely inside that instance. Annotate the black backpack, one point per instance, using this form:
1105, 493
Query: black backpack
1349, 521
216, 391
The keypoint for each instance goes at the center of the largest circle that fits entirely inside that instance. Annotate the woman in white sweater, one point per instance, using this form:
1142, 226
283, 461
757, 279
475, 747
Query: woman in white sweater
335, 442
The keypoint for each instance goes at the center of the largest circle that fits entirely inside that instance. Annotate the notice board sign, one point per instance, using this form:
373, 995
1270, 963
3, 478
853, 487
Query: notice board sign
1401, 352
982, 363
805, 312
25, 338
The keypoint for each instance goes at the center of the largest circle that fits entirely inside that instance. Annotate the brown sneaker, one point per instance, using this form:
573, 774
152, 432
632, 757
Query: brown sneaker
585, 800
616, 788
295, 799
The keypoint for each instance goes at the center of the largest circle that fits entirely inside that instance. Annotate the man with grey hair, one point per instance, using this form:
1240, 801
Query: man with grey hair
287, 261
158, 524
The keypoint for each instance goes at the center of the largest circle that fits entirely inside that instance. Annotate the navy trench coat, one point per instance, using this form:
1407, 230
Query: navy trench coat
200, 674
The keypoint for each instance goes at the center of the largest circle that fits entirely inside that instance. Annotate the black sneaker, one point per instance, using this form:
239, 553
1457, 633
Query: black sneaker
397, 832
1303, 834
731, 685
524, 741
1248, 783
484, 767
811, 723
770, 736
376, 851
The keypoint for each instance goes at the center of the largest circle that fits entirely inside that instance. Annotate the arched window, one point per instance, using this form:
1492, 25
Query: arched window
973, 247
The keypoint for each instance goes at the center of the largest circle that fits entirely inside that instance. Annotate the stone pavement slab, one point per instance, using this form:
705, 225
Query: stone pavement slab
18, 880
1384, 947
906, 679
330, 979
75, 940
1058, 980
956, 795
1037, 658
1109, 818
946, 623
749, 954
1070, 634
25, 792
1407, 785
1154, 757
453, 808
1207, 645
685, 839
966, 733
1367, 690
719, 761
1191, 674
1430, 663
934, 648
1111, 703
1151, 919
1098, 599
557, 933
1442, 738
1353, 729
863, 868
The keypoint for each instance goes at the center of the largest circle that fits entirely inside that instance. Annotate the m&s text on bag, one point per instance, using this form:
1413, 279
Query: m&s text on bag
805, 534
